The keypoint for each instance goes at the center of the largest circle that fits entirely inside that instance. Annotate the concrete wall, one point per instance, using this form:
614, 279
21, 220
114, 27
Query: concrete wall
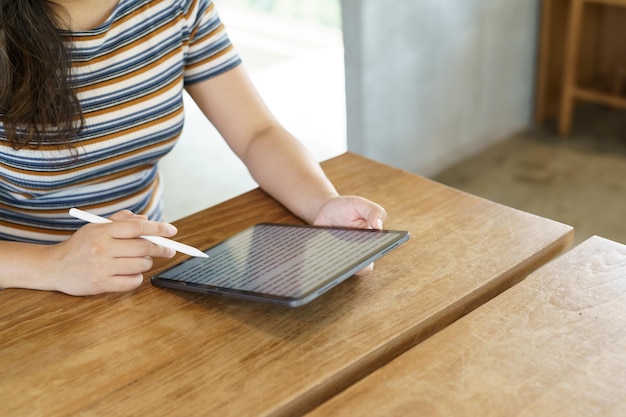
430, 82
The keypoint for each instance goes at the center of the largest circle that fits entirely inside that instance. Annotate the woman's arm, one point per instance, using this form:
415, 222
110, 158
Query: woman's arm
277, 161
97, 258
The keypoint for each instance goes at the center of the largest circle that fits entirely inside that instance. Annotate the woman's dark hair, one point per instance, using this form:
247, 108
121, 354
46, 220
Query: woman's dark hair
37, 102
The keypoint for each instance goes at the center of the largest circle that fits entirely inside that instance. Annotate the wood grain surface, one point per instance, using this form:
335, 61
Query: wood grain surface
553, 345
163, 352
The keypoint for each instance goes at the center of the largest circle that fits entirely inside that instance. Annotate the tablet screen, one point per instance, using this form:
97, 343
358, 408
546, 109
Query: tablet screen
284, 264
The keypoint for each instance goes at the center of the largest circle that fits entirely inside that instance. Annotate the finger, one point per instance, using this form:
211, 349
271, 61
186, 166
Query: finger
122, 215
127, 215
130, 266
137, 247
128, 229
367, 213
123, 283
376, 217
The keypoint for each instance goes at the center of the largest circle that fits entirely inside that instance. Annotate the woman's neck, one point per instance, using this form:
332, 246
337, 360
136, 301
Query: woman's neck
82, 15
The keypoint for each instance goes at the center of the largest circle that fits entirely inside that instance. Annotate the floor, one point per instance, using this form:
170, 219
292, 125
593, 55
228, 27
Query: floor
580, 181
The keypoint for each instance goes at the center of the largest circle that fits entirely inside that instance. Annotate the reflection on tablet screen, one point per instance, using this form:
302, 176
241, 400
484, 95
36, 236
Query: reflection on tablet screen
283, 260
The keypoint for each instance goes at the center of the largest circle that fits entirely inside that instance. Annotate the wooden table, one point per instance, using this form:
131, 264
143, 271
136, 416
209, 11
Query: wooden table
553, 345
160, 352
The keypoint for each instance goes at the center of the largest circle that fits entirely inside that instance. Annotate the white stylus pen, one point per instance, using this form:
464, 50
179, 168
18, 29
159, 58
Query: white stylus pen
158, 240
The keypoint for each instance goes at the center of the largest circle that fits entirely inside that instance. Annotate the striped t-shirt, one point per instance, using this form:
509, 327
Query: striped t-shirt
130, 73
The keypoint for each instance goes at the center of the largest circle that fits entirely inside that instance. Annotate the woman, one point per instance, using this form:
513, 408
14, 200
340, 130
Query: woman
90, 100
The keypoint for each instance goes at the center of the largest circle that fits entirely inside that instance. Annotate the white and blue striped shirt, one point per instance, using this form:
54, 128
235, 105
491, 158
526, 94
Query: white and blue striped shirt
130, 73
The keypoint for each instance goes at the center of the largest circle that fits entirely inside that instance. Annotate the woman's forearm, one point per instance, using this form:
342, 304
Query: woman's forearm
285, 169
24, 266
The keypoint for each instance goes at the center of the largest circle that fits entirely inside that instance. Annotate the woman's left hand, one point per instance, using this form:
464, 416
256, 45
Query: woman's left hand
352, 211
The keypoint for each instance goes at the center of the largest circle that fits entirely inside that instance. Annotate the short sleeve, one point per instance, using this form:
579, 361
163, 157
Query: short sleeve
209, 51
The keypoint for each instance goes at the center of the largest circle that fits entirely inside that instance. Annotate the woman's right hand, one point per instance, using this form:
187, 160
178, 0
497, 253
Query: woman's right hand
109, 257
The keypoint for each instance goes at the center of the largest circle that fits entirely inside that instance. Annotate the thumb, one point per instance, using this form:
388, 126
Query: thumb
376, 217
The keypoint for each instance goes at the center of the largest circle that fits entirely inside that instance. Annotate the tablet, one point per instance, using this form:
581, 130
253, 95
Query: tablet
283, 264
